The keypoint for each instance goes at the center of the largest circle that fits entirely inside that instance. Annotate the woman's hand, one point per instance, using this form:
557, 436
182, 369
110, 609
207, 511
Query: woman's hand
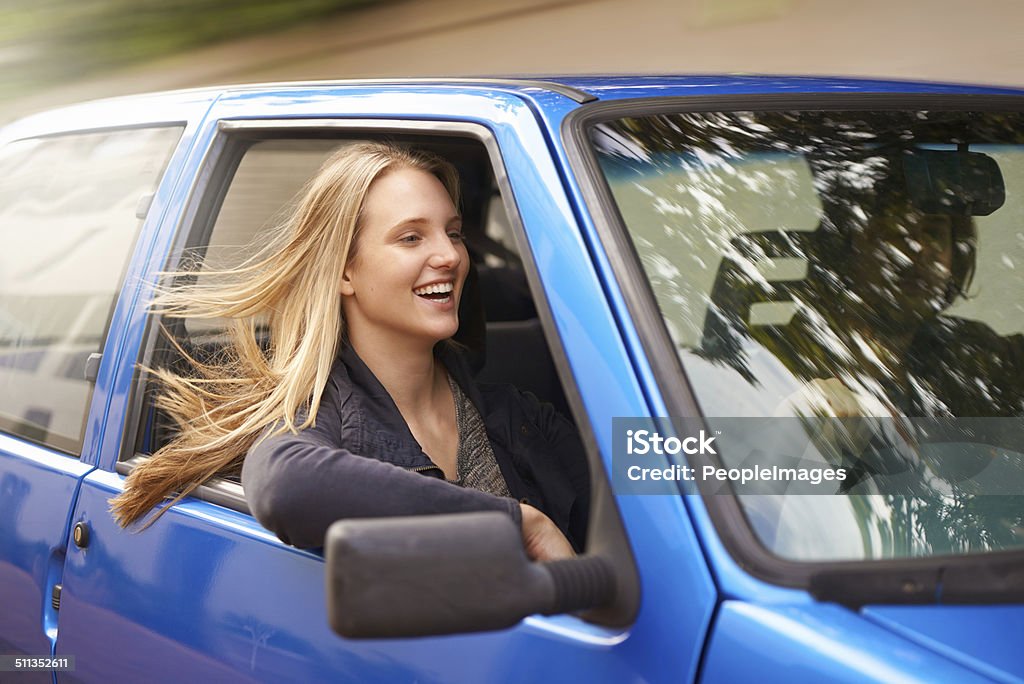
542, 538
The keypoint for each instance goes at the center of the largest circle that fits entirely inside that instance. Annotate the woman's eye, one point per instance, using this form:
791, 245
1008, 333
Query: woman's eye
456, 235
409, 239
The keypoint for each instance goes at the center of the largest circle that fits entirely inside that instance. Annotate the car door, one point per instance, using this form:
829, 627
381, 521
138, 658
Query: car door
208, 593
69, 220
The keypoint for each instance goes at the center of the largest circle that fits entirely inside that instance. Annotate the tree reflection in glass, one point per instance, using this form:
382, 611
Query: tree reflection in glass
812, 264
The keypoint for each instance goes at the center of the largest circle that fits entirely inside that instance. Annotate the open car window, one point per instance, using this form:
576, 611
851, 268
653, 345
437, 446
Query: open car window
263, 178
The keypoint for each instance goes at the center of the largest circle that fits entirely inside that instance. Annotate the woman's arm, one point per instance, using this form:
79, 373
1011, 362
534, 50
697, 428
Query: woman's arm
298, 484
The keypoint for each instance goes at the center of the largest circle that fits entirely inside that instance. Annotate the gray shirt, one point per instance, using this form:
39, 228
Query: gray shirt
476, 466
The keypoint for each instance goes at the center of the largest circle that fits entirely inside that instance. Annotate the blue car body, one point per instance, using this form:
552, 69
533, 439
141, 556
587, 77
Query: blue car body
208, 594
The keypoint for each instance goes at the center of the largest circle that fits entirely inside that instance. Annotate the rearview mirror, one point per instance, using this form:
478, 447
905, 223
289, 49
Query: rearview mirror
953, 181
448, 574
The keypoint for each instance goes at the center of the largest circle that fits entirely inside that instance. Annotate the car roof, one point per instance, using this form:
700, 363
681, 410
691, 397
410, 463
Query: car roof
581, 89
586, 88
642, 86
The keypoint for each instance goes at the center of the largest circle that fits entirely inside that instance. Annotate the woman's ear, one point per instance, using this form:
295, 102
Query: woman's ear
346, 288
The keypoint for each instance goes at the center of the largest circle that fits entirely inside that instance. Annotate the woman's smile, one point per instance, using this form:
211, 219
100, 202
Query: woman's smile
438, 293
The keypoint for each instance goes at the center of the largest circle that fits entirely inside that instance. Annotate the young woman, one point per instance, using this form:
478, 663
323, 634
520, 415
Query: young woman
363, 406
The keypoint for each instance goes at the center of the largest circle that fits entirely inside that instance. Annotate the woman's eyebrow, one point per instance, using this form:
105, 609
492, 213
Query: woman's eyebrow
420, 221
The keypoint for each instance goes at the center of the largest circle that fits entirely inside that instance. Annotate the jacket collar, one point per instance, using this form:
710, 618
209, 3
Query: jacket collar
381, 414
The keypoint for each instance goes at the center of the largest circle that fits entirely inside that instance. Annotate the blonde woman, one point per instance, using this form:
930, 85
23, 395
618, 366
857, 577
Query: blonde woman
362, 407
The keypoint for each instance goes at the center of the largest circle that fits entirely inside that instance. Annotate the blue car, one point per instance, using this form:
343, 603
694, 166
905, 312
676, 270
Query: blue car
785, 315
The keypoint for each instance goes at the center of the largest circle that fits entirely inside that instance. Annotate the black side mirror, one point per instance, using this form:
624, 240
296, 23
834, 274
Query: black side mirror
448, 574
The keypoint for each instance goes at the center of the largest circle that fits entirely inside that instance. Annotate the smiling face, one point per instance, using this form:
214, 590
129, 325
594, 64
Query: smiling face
403, 286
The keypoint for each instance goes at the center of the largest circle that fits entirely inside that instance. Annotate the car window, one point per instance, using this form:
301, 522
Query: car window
268, 179
843, 290
69, 210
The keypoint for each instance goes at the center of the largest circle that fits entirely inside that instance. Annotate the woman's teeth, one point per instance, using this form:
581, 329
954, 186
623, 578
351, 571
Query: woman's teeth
439, 292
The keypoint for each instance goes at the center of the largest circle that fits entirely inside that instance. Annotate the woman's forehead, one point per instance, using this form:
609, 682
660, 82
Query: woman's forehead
408, 194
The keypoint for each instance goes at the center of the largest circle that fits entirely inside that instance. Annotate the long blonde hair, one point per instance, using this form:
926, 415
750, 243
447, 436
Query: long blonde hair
224, 405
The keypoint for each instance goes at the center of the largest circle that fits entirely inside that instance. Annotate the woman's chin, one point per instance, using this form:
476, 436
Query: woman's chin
441, 333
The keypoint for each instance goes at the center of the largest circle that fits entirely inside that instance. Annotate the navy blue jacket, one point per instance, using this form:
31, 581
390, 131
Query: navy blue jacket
361, 460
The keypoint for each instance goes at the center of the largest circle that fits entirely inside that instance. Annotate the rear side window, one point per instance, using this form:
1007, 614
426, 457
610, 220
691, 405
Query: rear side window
69, 215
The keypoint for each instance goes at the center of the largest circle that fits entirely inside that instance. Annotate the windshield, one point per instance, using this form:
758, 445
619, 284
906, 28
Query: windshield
857, 277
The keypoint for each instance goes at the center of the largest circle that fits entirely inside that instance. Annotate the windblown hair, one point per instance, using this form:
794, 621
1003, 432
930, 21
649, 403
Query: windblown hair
222, 406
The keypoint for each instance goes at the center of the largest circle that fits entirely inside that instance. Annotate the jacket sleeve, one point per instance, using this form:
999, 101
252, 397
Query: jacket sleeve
298, 484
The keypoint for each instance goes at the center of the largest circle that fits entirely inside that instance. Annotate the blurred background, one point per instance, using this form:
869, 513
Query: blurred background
55, 52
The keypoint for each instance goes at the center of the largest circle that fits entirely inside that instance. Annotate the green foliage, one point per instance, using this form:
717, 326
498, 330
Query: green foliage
43, 42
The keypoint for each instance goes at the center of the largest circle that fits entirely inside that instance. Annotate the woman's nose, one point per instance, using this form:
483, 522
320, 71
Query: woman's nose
446, 254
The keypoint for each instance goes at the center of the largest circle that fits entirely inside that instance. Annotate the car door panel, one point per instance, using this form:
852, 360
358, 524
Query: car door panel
206, 593
37, 488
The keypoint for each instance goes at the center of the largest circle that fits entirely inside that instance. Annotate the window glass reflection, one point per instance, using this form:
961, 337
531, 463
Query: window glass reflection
847, 265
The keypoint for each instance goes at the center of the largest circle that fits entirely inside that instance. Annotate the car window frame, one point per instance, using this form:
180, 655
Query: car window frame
956, 578
606, 533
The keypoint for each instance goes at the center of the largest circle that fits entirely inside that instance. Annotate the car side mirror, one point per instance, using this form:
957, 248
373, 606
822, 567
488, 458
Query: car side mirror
448, 574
